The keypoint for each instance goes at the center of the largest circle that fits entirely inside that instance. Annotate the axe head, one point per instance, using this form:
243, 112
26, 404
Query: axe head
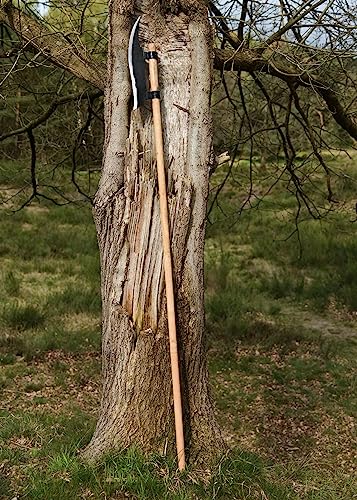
137, 67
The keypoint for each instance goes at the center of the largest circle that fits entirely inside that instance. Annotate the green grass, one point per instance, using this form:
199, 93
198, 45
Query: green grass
69, 300
21, 317
12, 283
281, 348
139, 477
315, 264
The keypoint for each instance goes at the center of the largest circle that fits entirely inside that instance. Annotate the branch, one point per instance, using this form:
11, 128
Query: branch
52, 46
243, 15
52, 108
250, 60
76, 146
223, 26
301, 13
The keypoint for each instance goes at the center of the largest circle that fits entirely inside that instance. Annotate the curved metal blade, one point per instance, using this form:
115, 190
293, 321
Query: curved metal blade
137, 67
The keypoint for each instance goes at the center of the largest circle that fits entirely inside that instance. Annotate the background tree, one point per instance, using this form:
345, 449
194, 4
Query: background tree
304, 48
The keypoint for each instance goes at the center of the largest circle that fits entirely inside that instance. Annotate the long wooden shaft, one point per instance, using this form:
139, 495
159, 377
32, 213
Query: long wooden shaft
164, 215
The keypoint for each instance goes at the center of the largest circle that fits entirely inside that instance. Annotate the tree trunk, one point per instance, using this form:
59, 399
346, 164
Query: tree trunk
137, 406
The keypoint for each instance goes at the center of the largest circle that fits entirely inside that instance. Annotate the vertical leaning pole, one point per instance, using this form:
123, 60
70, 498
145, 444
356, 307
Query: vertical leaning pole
152, 59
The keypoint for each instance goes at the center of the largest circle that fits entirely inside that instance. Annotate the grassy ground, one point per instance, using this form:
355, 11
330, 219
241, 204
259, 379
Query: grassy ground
282, 355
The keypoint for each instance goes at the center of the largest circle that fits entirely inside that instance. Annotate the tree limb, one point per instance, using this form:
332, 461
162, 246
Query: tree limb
301, 13
51, 109
244, 59
243, 15
52, 45
250, 60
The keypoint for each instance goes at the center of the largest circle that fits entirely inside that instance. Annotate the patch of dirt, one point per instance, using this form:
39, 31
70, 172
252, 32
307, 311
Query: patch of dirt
327, 325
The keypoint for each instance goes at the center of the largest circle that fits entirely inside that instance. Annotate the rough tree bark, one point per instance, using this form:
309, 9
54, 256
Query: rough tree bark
137, 405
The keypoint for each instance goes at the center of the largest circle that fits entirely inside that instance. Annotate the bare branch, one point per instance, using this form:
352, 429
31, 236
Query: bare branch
77, 143
300, 14
52, 108
243, 16
53, 46
250, 60
223, 26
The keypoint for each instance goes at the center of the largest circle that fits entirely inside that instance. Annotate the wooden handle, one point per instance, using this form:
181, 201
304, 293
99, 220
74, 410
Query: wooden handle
170, 298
